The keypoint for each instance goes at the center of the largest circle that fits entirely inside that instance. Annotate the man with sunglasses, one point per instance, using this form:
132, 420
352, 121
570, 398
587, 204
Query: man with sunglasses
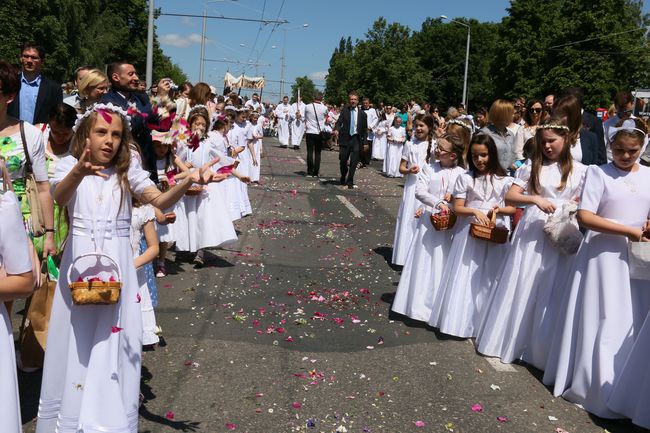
38, 94
624, 103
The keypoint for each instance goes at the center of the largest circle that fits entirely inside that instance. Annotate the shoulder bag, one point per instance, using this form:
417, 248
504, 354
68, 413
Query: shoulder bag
324, 135
31, 191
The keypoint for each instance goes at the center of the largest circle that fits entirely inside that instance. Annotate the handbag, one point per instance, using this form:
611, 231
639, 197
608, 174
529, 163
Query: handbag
562, 229
31, 191
324, 135
638, 259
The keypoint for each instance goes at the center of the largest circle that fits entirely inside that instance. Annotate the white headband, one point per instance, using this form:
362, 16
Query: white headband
458, 122
102, 108
628, 125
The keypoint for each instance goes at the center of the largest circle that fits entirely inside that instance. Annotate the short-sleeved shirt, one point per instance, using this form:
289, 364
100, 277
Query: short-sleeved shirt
14, 250
12, 150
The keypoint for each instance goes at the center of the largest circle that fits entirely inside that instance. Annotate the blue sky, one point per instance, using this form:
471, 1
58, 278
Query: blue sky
307, 49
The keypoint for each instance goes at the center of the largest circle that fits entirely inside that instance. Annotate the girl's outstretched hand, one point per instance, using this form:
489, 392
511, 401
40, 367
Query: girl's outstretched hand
482, 218
204, 175
86, 168
545, 205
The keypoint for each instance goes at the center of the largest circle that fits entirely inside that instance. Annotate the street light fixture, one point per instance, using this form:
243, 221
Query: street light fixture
444, 17
284, 43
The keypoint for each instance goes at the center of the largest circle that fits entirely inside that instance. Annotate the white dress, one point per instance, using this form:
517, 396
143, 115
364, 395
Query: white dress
238, 139
282, 112
604, 308
631, 394
140, 216
230, 187
297, 123
379, 141
472, 263
396, 139
15, 258
91, 376
256, 130
522, 312
210, 223
170, 232
415, 153
427, 254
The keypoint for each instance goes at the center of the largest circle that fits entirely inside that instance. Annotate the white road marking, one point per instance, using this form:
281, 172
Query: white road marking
300, 159
500, 366
356, 212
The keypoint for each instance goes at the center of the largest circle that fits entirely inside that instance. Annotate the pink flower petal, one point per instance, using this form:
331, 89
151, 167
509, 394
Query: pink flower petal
169, 415
502, 419
419, 423
138, 298
477, 408
296, 405
116, 329
231, 426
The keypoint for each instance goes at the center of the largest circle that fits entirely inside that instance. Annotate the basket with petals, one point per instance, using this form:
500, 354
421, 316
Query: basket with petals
96, 289
490, 232
443, 220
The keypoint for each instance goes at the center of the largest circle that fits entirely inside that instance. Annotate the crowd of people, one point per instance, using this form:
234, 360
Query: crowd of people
523, 227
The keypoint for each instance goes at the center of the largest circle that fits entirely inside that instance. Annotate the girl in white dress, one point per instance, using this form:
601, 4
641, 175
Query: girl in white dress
15, 257
237, 140
396, 139
527, 294
209, 223
142, 225
472, 263
426, 258
379, 140
414, 155
91, 376
605, 308
254, 141
169, 167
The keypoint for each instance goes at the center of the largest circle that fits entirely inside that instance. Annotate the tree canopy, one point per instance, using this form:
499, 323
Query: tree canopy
83, 32
307, 90
538, 48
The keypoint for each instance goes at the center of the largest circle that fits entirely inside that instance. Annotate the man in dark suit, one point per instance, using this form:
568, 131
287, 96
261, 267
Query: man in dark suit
38, 94
352, 128
591, 122
124, 93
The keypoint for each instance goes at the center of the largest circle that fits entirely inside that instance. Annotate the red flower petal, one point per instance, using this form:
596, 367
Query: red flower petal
169, 415
116, 329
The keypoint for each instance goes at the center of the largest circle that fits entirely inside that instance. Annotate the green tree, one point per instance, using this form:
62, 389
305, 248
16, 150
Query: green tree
78, 32
307, 90
342, 73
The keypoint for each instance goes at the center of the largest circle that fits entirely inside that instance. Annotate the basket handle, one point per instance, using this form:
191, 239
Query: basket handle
493, 219
117, 265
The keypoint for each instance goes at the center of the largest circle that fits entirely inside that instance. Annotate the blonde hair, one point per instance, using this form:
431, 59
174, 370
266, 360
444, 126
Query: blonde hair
92, 79
501, 112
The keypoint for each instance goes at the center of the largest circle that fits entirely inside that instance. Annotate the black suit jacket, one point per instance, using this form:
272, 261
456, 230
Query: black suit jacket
343, 126
49, 95
595, 125
590, 148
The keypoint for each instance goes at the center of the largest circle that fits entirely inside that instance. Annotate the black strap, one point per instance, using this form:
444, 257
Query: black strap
28, 161
316, 115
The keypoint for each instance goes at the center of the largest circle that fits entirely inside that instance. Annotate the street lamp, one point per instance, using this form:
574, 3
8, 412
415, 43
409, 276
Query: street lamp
444, 17
284, 43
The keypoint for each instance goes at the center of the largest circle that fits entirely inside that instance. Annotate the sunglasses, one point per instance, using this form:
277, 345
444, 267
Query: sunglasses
536, 110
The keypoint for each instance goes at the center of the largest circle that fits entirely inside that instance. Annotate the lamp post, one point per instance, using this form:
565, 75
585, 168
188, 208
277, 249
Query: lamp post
444, 17
282, 63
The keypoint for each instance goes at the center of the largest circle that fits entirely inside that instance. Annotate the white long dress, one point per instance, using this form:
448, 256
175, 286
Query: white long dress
472, 263
230, 187
527, 295
140, 216
380, 140
427, 254
15, 258
396, 139
91, 376
256, 131
170, 232
631, 394
297, 123
415, 153
604, 308
238, 139
211, 223
282, 112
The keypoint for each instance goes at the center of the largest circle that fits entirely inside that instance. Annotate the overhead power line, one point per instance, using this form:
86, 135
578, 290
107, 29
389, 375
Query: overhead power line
221, 17
598, 37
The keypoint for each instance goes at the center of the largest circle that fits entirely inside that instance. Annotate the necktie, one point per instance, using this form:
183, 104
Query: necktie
353, 121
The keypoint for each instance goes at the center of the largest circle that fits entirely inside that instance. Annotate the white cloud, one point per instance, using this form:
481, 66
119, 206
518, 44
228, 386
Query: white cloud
318, 75
176, 40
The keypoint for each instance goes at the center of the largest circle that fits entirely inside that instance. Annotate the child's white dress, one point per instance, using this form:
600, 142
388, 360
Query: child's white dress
140, 216
170, 232
15, 258
91, 376
426, 258
415, 153
605, 309
522, 312
379, 141
396, 138
256, 130
472, 264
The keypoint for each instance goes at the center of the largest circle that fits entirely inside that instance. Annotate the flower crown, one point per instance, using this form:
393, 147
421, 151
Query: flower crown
196, 107
103, 110
554, 126
458, 122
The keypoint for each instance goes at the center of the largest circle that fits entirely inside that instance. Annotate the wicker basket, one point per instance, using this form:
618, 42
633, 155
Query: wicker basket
95, 292
195, 190
443, 221
491, 233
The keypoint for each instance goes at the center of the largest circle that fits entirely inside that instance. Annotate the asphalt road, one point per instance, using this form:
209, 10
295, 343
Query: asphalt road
288, 332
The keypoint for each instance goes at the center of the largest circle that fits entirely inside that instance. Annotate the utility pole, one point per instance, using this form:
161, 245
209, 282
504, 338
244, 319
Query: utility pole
205, 13
149, 67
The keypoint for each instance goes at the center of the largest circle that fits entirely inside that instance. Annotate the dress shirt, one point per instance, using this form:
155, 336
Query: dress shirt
28, 95
354, 114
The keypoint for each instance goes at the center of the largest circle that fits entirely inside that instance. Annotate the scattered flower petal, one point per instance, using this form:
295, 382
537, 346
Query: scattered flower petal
477, 408
169, 415
419, 423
